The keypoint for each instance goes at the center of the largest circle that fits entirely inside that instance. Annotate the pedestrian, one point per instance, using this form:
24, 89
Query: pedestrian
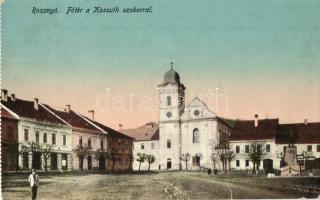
34, 183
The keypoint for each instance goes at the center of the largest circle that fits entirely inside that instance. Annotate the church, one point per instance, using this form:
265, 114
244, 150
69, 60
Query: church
190, 136
184, 130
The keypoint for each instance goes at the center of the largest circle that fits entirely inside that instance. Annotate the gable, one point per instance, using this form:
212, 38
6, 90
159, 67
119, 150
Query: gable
197, 109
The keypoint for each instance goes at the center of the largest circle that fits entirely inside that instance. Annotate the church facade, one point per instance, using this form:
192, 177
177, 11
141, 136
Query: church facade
190, 130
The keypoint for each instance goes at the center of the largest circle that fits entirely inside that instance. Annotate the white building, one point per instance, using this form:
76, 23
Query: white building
195, 130
146, 142
36, 124
191, 129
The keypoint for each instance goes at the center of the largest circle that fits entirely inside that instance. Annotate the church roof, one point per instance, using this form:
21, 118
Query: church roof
148, 131
171, 77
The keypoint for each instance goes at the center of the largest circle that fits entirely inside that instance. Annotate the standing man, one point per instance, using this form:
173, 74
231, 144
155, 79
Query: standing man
34, 183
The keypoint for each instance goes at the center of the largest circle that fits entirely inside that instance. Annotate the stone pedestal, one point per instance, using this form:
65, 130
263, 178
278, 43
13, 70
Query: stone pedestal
290, 157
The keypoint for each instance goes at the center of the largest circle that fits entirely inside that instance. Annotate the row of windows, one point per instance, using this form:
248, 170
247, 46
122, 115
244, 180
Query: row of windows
89, 142
152, 145
309, 148
238, 163
247, 148
268, 148
44, 138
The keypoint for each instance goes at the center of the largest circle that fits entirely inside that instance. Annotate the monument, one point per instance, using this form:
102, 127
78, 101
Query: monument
289, 165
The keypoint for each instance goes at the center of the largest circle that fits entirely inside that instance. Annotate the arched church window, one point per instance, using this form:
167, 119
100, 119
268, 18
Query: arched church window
168, 101
168, 144
195, 135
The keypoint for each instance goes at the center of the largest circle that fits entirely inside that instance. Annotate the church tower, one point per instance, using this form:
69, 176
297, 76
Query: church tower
172, 95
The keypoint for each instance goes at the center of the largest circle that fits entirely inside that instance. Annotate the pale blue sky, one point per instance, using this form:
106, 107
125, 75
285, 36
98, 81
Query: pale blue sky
245, 45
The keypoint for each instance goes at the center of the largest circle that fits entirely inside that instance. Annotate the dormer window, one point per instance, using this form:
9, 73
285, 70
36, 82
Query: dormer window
168, 100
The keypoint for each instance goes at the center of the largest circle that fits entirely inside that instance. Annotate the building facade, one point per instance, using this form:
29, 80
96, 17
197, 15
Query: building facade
9, 141
146, 141
191, 130
39, 126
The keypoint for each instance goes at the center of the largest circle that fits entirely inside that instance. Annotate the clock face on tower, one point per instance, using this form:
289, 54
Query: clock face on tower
169, 114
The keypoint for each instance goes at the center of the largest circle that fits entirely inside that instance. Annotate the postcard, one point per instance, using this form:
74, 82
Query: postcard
137, 99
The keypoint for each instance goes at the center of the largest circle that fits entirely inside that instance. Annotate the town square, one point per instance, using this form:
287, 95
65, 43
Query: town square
173, 100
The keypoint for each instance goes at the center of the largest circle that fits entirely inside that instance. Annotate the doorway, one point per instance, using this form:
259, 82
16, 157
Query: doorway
54, 161
169, 163
89, 163
36, 160
102, 163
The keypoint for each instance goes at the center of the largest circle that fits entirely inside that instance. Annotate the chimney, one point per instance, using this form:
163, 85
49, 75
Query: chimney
306, 122
36, 103
256, 122
68, 108
92, 114
13, 97
4, 95
120, 126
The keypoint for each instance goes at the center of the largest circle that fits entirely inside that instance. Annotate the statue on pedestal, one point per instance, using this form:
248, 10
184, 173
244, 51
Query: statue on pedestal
290, 166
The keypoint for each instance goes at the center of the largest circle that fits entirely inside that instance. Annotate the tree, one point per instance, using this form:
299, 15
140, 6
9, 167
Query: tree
230, 156
81, 151
21, 150
113, 158
141, 158
150, 159
256, 154
101, 155
46, 150
185, 158
214, 160
223, 158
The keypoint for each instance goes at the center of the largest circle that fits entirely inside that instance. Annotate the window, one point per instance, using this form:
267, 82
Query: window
142, 146
237, 149
26, 135
37, 136
268, 148
238, 163
152, 145
309, 148
168, 101
247, 148
80, 141
318, 148
126, 146
196, 112
101, 143
45, 139
89, 142
168, 144
64, 140
53, 138
195, 137
247, 163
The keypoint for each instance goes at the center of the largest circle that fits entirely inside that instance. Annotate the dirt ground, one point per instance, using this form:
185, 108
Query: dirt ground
166, 185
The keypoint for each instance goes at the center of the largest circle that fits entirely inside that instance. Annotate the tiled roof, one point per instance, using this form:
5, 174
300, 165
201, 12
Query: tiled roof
306, 133
245, 130
111, 132
149, 131
24, 108
73, 119
6, 114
